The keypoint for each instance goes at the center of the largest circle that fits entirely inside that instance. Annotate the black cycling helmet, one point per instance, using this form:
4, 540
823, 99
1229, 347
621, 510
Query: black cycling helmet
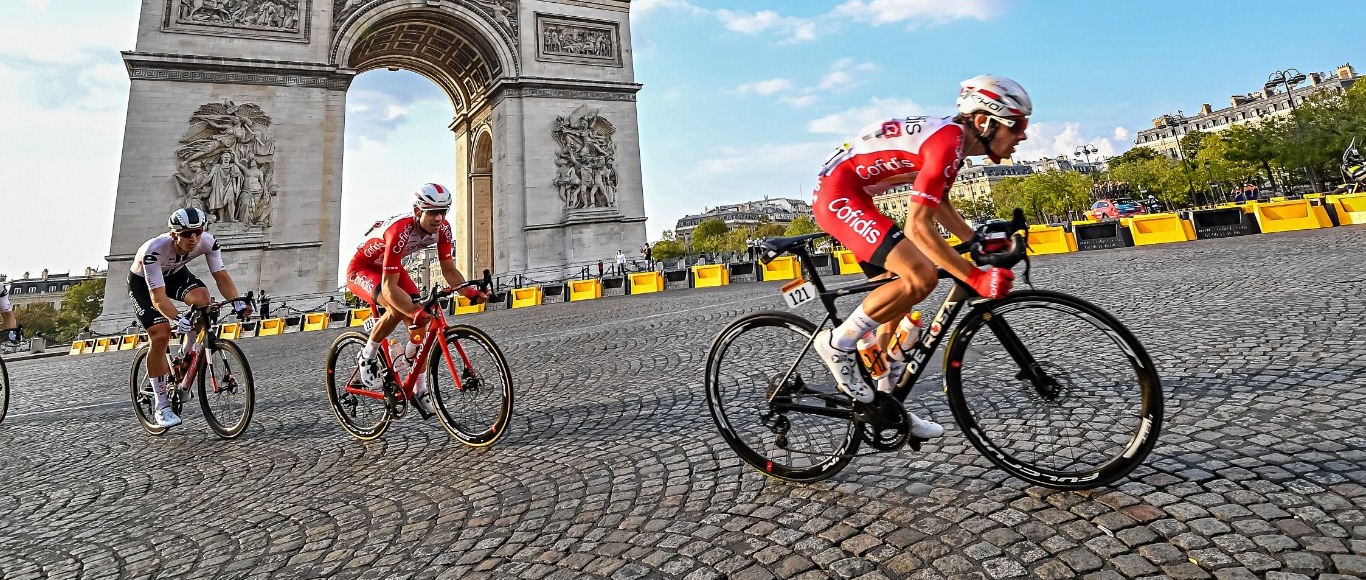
188, 218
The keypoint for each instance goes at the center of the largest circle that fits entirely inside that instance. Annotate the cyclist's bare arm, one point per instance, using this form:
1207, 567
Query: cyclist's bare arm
920, 228
953, 221
451, 273
164, 304
226, 286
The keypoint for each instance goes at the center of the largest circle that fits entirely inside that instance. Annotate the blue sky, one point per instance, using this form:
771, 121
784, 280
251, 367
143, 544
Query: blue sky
741, 99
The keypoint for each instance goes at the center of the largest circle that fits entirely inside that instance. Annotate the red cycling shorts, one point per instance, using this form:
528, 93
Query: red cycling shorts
844, 211
363, 280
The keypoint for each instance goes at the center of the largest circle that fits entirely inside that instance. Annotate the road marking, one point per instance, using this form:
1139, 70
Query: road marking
584, 329
59, 410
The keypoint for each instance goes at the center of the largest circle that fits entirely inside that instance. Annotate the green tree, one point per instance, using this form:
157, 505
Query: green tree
668, 247
1135, 155
85, 299
37, 318
803, 224
710, 236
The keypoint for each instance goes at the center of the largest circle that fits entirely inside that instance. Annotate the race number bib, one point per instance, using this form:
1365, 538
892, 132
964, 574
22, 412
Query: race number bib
798, 292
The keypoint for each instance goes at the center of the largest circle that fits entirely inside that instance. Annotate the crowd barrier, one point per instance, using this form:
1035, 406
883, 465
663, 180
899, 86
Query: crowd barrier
358, 316
1051, 240
338, 319
1160, 228
645, 283
270, 327
1289, 216
314, 321
131, 341
781, 268
742, 272
1350, 209
1221, 222
679, 278
230, 330
846, 263
1094, 235
820, 261
552, 293
527, 297
463, 306
585, 289
710, 276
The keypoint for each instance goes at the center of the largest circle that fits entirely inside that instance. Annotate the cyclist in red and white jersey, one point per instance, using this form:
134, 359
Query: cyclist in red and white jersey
9, 324
159, 274
993, 113
376, 275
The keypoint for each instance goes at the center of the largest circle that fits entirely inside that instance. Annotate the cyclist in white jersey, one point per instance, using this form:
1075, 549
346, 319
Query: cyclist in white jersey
159, 274
9, 325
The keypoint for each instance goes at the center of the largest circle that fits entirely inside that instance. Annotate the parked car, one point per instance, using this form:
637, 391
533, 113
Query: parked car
1116, 208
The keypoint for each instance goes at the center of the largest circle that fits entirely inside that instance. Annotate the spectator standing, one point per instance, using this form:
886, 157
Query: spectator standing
621, 263
649, 255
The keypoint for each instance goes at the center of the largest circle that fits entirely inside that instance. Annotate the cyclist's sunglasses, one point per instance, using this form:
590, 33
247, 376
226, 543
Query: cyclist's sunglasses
188, 233
441, 212
1016, 125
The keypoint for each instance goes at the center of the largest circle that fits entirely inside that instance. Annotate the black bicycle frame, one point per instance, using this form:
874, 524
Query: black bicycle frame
924, 347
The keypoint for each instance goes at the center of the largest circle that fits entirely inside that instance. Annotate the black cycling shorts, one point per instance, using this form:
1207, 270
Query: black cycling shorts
178, 284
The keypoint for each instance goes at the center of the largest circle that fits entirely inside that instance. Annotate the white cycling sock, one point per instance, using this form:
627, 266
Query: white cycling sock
159, 387
845, 336
370, 348
421, 385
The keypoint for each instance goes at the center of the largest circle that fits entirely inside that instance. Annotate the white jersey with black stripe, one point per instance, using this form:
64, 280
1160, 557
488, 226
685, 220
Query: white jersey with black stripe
4, 298
158, 257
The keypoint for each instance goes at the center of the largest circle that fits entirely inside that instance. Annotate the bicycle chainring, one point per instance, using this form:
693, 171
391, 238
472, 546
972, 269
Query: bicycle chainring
883, 424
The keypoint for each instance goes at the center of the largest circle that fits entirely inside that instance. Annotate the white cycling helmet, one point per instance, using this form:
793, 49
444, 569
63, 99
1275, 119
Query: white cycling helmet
188, 218
994, 95
432, 196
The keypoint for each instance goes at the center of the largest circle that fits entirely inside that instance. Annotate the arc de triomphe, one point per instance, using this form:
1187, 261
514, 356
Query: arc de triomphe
238, 107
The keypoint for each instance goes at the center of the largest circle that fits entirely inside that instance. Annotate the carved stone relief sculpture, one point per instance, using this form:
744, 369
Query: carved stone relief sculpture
504, 13
561, 39
585, 164
225, 164
282, 15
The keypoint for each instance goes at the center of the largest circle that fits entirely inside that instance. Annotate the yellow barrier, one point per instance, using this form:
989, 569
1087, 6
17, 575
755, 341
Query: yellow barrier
1313, 196
709, 275
1351, 208
782, 268
585, 289
1160, 228
527, 297
358, 316
848, 264
1288, 216
130, 341
1051, 240
1277, 199
645, 282
102, 344
315, 321
230, 330
77, 347
463, 306
270, 327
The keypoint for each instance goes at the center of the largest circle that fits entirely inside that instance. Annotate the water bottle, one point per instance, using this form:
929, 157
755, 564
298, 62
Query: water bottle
872, 357
399, 359
907, 333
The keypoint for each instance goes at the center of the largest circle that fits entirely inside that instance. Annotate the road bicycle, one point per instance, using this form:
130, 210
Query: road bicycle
469, 381
213, 367
4, 390
1050, 388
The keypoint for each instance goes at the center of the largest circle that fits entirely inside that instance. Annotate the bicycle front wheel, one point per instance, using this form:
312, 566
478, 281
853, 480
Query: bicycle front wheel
472, 388
1053, 390
227, 392
364, 417
806, 433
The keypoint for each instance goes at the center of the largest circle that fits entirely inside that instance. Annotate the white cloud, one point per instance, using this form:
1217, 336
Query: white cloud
794, 29
916, 13
38, 4
1054, 139
394, 112
640, 8
789, 158
1121, 134
767, 87
800, 101
849, 121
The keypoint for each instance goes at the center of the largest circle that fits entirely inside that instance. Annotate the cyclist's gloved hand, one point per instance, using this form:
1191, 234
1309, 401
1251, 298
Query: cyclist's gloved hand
181, 324
991, 283
242, 310
474, 294
420, 319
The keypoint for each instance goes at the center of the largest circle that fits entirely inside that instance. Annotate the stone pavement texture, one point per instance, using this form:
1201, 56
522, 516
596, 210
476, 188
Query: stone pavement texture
613, 468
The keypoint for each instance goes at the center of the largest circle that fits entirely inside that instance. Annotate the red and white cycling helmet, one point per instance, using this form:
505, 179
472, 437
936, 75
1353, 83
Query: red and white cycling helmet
432, 196
994, 95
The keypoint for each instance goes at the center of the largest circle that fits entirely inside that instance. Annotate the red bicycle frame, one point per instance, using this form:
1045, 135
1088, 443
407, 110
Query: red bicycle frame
436, 328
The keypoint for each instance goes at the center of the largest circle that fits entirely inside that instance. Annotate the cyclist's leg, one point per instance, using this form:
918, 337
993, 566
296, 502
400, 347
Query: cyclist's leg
159, 335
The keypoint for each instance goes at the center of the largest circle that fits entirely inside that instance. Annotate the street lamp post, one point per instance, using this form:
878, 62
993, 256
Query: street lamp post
1289, 78
1085, 150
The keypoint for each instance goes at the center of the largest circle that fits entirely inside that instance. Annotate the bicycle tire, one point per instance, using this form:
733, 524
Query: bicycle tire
789, 332
239, 384
345, 406
1048, 463
144, 402
476, 429
4, 390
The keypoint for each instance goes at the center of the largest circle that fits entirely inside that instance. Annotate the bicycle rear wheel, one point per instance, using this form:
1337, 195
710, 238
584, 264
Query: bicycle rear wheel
1053, 390
143, 398
472, 389
807, 433
364, 417
4, 390
227, 392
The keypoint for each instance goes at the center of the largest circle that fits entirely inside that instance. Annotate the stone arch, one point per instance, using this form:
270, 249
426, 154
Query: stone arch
481, 179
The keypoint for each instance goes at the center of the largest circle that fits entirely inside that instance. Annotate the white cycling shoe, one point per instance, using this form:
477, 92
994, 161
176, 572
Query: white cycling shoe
923, 428
422, 398
371, 374
165, 417
843, 364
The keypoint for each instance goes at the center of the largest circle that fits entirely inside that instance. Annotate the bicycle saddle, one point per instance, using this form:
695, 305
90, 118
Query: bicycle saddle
774, 247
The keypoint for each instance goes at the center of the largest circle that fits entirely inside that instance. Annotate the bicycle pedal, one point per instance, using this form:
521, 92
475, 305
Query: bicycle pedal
915, 442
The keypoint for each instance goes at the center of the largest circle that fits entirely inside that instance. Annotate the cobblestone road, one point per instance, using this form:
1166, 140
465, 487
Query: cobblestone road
613, 468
